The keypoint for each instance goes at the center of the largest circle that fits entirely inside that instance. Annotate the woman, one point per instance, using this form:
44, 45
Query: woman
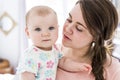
87, 34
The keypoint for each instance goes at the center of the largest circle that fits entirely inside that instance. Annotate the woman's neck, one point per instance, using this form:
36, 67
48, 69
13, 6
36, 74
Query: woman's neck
77, 55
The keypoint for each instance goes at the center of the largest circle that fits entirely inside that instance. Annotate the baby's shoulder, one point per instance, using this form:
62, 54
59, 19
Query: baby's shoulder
31, 50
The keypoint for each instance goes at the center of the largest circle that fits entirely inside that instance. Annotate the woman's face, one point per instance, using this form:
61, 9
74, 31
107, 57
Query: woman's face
75, 32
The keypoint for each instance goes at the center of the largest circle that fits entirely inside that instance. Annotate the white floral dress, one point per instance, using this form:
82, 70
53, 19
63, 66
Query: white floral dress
42, 63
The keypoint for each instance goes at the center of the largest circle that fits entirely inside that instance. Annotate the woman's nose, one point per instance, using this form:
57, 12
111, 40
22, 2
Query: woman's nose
69, 28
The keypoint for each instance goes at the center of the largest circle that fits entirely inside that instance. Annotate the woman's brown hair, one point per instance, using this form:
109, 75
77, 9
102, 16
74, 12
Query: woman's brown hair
101, 19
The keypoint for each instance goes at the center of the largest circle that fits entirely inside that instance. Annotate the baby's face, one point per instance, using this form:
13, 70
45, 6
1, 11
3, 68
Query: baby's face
43, 30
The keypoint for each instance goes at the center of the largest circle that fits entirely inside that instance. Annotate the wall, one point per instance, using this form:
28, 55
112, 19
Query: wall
12, 44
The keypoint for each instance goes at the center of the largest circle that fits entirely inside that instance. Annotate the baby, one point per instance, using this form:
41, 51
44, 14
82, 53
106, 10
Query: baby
40, 61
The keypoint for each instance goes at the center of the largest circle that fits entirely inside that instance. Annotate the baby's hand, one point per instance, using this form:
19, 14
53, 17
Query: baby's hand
84, 67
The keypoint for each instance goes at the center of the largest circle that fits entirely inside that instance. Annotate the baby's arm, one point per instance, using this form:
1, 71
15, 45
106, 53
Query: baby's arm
27, 76
72, 66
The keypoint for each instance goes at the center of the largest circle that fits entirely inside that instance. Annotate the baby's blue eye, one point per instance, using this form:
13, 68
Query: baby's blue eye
37, 29
51, 28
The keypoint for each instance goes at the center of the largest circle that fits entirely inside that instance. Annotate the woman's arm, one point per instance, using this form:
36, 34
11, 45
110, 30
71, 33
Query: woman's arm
72, 66
27, 76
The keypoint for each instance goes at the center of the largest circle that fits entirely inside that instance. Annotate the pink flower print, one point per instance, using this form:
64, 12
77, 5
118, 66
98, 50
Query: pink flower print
50, 64
39, 64
29, 62
48, 78
35, 49
55, 47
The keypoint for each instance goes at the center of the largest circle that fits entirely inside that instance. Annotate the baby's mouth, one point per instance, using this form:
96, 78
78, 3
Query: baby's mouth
46, 40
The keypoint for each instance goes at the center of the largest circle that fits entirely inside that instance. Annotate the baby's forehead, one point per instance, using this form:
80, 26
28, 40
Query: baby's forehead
42, 10
41, 14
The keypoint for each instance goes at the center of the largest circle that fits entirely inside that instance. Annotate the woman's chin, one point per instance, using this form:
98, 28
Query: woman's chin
65, 43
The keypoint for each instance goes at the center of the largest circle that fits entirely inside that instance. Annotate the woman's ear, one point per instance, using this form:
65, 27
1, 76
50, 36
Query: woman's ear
27, 32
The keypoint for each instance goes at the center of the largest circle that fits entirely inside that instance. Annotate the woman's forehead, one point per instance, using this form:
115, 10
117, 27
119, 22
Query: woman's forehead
76, 15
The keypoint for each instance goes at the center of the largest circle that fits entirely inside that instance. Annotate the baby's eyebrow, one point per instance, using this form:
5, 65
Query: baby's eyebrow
36, 26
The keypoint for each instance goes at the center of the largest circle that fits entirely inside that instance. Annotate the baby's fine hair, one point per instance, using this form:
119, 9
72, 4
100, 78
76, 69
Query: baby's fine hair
39, 10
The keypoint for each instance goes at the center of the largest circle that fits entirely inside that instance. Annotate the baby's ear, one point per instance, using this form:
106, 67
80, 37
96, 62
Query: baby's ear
26, 31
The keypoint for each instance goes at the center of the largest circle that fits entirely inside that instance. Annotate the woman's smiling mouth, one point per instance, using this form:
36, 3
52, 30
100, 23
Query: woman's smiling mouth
66, 37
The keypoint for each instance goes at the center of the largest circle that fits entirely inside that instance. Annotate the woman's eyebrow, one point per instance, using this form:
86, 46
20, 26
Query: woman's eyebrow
70, 15
77, 22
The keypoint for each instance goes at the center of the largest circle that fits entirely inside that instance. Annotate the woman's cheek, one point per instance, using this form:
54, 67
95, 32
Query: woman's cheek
65, 25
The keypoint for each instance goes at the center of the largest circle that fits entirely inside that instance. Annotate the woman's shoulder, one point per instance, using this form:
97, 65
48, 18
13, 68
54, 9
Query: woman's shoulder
112, 62
115, 61
112, 69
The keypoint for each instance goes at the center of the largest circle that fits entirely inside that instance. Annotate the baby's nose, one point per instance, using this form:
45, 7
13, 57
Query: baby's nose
45, 34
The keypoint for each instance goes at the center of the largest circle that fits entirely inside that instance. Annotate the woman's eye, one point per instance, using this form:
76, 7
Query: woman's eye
37, 29
79, 29
69, 20
51, 28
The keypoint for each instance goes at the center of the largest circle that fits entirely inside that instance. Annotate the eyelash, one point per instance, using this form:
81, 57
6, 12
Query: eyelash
51, 28
69, 20
76, 26
37, 29
79, 29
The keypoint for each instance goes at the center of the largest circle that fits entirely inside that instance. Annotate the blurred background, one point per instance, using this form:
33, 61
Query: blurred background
13, 39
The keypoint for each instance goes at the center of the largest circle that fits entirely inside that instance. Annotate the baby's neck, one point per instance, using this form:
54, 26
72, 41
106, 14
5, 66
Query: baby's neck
45, 48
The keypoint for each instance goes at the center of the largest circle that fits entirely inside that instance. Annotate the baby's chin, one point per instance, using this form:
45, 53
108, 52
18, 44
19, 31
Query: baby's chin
45, 48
